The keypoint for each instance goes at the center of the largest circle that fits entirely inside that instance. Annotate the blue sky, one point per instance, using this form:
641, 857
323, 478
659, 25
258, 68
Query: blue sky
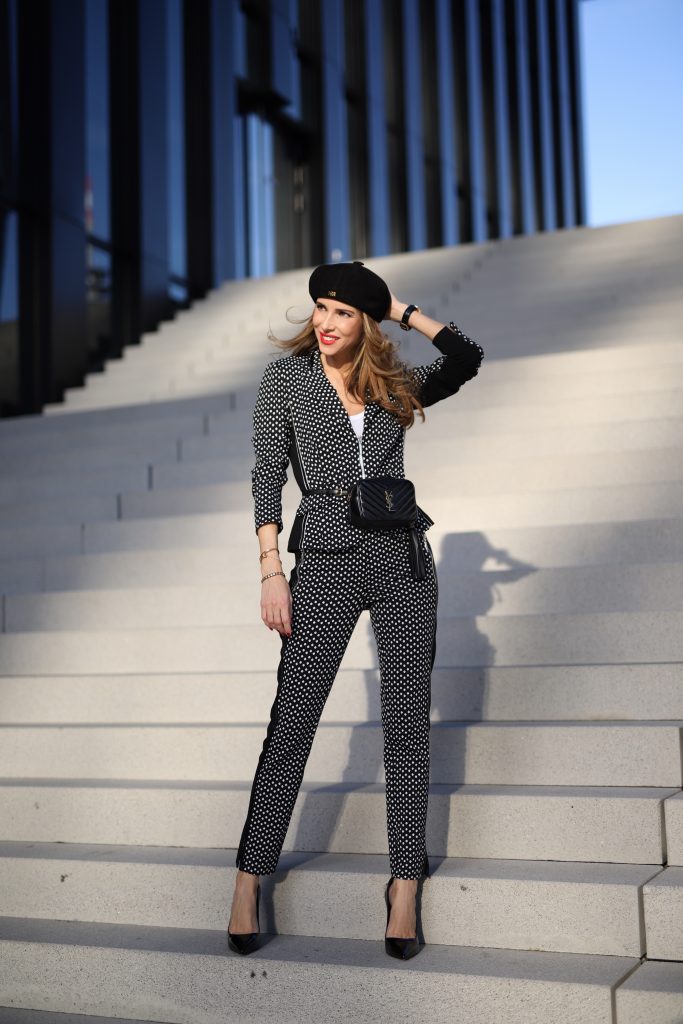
632, 53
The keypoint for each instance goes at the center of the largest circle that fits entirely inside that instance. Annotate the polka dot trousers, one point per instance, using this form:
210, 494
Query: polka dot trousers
329, 592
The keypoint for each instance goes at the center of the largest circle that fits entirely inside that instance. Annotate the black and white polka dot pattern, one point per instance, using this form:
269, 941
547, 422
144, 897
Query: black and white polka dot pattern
329, 591
299, 419
340, 571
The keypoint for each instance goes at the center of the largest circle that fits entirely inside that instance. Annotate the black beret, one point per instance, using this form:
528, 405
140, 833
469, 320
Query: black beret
353, 284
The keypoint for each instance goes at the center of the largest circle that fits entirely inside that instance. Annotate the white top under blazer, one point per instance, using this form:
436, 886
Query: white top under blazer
357, 422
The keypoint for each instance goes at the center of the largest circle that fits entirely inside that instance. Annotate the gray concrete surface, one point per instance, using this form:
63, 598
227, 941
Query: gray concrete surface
134, 686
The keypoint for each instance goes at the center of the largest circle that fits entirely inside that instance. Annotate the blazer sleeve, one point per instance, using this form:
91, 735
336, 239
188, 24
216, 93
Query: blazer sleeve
460, 361
271, 448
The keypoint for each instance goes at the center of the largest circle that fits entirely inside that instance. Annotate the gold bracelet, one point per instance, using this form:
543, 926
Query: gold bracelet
266, 552
269, 574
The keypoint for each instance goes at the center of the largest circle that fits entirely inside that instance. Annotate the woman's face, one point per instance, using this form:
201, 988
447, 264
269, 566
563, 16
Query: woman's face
338, 328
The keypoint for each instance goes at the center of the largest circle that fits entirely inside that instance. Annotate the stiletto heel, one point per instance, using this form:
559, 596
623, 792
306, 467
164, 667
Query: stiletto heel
246, 942
405, 949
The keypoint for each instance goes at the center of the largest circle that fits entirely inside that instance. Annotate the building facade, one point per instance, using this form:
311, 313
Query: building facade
150, 149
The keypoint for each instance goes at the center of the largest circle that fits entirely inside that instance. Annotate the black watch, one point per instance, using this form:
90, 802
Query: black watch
407, 315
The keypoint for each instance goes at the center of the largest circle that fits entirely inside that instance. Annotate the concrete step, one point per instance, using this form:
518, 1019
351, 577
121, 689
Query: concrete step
220, 352
56, 437
134, 552
72, 420
582, 453
611, 503
210, 549
663, 903
35, 435
119, 442
114, 392
518, 327
608, 359
544, 376
653, 992
184, 365
673, 813
559, 823
472, 445
142, 559
78, 462
225, 358
455, 419
174, 380
613, 358
107, 481
161, 391
187, 976
14, 1015
504, 694
450, 419
58, 511
513, 904
521, 591
524, 372
618, 437
480, 753
550, 472
596, 638
21, 575
424, 466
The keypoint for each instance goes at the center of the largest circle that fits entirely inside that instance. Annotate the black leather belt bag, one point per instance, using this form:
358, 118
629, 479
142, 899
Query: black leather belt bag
383, 503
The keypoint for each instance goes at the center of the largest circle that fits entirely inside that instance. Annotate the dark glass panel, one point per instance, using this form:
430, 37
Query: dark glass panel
430, 122
354, 38
462, 122
489, 115
536, 126
97, 219
513, 117
8, 100
98, 306
9, 313
175, 109
555, 120
393, 80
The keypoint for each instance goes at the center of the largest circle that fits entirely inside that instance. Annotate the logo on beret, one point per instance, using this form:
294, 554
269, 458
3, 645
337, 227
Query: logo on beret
333, 294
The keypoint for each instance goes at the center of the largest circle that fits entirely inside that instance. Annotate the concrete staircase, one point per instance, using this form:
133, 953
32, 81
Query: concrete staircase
136, 678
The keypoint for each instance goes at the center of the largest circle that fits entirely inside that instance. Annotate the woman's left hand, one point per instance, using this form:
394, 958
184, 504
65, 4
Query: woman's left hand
397, 308
423, 324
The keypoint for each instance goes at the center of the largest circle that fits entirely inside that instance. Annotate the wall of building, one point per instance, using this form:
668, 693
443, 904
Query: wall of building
150, 149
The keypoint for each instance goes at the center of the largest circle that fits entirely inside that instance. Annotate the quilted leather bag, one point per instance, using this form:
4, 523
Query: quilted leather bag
382, 502
386, 502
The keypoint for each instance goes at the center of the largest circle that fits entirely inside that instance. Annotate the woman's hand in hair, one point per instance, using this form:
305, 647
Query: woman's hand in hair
276, 605
396, 309
419, 321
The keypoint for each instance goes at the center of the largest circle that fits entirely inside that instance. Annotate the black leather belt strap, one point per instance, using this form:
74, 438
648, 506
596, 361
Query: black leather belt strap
328, 492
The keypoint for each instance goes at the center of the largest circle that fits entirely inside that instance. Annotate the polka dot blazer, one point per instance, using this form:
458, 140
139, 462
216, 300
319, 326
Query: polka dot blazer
299, 419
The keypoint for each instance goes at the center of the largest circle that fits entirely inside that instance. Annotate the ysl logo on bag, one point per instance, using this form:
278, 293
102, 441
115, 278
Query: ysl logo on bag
389, 499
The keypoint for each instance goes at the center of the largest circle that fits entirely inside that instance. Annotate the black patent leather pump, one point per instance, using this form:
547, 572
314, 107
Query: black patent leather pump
246, 942
400, 948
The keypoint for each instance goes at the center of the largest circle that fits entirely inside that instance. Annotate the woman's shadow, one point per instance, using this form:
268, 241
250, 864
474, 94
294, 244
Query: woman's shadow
471, 574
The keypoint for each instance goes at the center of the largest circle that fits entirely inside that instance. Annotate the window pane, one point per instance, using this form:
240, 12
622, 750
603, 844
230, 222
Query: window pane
98, 309
8, 92
97, 119
177, 254
9, 313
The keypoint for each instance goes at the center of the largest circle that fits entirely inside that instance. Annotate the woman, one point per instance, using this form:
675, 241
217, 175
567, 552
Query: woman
337, 408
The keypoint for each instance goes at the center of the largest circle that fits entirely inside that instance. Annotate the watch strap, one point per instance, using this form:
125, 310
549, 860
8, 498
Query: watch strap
409, 310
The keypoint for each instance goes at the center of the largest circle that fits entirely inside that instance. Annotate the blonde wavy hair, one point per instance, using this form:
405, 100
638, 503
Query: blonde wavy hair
377, 373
